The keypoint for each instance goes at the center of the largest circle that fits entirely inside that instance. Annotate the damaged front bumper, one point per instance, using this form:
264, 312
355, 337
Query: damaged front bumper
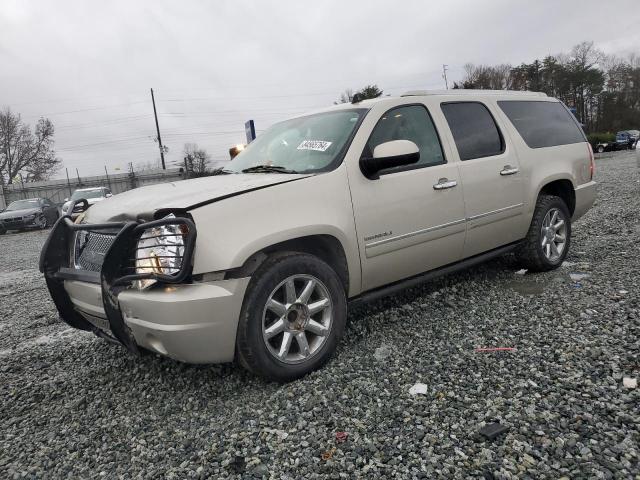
101, 311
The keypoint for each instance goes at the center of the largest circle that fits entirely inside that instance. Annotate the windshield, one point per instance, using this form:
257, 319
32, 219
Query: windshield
24, 204
302, 145
86, 194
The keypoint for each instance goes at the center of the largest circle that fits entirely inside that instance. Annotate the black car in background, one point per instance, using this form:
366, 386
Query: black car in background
30, 213
625, 139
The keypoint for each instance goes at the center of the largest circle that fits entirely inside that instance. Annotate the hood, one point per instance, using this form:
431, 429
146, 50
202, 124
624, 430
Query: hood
19, 213
183, 195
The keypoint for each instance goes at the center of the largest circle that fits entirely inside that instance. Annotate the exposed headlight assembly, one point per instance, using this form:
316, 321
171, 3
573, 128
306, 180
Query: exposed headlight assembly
162, 251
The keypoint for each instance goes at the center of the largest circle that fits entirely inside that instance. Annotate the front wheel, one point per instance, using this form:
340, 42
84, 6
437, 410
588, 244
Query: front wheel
292, 318
547, 243
600, 149
43, 222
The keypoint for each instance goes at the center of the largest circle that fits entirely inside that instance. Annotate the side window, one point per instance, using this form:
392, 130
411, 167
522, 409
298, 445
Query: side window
414, 123
543, 124
474, 130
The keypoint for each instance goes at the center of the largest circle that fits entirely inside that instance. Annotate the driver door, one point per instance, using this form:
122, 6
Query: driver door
406, 224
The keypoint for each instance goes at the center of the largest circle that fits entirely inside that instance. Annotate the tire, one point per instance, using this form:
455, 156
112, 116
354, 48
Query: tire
2, 231
600, 149
45, 223
533, 252
264, 332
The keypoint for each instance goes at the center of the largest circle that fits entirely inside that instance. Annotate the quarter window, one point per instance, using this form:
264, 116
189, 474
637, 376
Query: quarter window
413, 123
543, 124
474, 130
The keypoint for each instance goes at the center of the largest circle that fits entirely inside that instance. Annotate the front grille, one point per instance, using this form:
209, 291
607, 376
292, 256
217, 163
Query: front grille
90, 249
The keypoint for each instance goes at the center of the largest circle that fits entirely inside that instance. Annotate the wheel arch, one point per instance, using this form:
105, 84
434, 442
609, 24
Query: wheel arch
324, 246
560, 187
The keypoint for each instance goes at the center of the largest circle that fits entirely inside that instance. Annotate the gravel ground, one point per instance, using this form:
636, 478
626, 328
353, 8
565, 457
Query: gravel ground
72, 405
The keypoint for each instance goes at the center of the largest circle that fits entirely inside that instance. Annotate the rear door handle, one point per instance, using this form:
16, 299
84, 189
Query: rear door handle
508, 170
444, 183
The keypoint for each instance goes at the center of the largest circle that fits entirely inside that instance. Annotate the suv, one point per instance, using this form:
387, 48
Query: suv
259, 262
91, 195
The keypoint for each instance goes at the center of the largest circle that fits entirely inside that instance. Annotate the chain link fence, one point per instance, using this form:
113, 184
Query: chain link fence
59, 190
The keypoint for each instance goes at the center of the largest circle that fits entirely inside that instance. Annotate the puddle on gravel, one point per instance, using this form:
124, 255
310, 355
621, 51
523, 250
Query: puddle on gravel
535, 284
527, 285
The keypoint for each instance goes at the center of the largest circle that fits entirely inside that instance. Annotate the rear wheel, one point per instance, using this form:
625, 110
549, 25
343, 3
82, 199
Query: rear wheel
292, 318
547, 242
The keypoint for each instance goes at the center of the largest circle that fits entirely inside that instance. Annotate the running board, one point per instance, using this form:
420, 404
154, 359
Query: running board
421, 278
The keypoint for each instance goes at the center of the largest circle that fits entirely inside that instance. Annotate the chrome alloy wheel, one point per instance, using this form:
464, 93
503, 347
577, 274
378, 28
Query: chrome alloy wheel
553, 234
297, 319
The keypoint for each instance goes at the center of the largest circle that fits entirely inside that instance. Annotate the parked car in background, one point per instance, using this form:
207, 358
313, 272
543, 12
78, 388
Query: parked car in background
91, 195
635, 136
624, 140
28, 214
343, 205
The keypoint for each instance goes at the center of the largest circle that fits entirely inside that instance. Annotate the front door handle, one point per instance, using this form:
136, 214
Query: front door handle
444, 183
508, 170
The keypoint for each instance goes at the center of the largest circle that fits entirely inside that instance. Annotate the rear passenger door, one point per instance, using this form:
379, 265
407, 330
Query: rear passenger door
491, 177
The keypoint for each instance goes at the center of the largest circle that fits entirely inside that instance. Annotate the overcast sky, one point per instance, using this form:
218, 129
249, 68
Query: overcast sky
88, 65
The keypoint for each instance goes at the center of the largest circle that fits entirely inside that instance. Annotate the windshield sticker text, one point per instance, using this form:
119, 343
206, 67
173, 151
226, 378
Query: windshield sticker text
317, 145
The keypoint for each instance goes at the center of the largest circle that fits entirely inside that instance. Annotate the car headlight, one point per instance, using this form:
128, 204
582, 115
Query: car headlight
160, 250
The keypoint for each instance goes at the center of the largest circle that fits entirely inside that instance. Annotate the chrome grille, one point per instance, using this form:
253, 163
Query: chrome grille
90, 249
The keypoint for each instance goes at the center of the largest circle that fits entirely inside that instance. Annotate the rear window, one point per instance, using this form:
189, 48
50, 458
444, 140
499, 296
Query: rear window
474, 130
542, 124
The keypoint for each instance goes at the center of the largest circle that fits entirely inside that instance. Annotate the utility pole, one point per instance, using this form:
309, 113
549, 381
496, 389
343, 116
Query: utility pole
78, 175
155, 114
444, 75
108, 179
24, 193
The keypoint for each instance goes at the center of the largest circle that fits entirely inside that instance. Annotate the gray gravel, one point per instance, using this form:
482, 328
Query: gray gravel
73, 405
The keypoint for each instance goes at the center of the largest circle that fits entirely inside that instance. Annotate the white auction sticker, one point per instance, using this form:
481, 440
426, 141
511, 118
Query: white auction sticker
317, 145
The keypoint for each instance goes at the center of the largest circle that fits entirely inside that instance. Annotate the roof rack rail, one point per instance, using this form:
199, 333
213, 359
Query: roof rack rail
461, 91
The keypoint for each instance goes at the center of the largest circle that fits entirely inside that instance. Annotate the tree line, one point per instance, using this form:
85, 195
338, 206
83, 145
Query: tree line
603, 89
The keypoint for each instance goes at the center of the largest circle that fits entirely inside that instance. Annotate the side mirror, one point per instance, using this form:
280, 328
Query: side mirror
395, 153
66, 199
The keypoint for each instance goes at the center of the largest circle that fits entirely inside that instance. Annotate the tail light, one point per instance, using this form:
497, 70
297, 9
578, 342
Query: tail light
592, 164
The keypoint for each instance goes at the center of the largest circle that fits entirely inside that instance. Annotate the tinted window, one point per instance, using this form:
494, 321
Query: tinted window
412, 123
543, 124
474, 130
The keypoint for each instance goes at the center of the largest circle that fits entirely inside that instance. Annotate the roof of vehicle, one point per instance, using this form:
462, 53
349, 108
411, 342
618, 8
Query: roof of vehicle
472, 92
430, 93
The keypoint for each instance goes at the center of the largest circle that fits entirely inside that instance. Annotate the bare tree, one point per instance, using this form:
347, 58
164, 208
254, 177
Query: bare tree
197, 159
496, 77
370, 91
345, 97
24, 152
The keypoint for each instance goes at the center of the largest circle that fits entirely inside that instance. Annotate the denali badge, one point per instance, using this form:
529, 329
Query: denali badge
377, 235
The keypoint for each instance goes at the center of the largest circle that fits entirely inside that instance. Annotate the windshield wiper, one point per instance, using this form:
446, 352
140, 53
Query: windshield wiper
267, 169
221, 171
